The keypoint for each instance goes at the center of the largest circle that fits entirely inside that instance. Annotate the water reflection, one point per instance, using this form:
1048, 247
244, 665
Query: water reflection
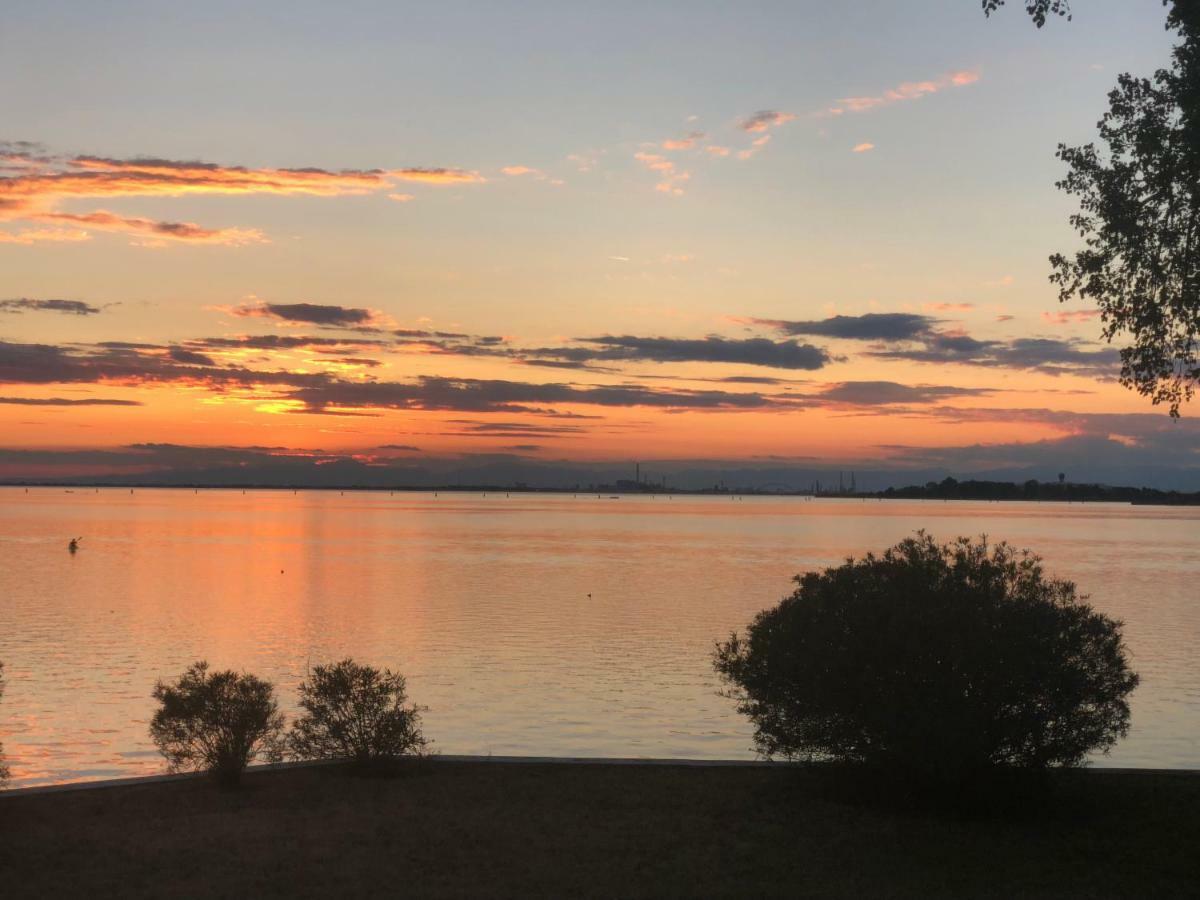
540, 624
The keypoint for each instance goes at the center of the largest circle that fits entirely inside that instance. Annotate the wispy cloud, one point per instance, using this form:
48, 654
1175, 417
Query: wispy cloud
908, 90
33, 185
671, 178
307, 313
26, 304
1067, 317
864, 147
765, 119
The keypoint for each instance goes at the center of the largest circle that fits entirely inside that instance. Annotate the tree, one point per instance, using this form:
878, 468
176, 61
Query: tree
1039, 10
355, 712
216, 722
1139, 218
941, 662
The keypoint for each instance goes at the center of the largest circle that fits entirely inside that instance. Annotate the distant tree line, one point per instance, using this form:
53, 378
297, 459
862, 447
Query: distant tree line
971, 489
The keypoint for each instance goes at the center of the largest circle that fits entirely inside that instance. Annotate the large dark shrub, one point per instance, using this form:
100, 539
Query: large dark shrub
355, 712
940, 661
216, 722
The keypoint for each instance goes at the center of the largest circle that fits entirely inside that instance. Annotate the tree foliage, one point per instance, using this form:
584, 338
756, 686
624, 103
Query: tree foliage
355, 712
1139, 219
216, 722
942, 661
1039, 10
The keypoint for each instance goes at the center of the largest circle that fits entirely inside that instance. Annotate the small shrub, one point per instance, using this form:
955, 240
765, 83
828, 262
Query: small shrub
216, 722
943, 662
355, 712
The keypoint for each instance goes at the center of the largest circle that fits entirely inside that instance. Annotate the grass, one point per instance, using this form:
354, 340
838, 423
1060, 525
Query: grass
448, 829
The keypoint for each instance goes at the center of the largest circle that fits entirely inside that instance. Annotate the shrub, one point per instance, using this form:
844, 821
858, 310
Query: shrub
355, 712
216, 722
941, 661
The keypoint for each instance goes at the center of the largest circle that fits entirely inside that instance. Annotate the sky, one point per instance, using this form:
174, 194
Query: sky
387, 236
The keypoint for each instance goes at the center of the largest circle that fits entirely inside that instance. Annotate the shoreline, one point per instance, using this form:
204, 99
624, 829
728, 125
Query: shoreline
452, 758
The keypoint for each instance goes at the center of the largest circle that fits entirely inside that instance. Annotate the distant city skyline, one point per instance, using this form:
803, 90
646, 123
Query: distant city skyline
800, 236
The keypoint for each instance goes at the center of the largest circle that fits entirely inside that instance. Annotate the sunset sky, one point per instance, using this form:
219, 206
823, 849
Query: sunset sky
393, 233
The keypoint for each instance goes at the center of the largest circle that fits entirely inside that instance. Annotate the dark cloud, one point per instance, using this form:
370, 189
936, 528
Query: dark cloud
285, 342
60, 401
867, 327
438, 393
190, 357
1047, 355
312, 313
884, 393
405, 447
72, 307
748, 351
319, 392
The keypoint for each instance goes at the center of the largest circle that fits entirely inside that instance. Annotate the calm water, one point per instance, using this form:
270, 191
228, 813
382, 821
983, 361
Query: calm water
530, 624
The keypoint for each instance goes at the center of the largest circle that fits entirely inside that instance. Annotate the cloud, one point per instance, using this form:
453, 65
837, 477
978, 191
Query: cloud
671, 178
908, 90
28, 236
407, 448
948, 307
312, 313
39, 183
717, 150
1067, 317
765, 119
322, 392
885, 393
72, 307
749, 351
517, 171
175, 231
401, 198
1046, 355
684, 143
59, 401
862, 148
867, 327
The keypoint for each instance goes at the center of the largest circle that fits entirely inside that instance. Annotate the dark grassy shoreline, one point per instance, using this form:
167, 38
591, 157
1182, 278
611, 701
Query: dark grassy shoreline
491, 829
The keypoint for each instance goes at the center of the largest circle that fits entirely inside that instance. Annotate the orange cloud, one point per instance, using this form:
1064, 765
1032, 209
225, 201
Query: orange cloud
42, 182
908, 90
1066, 317
671, 178
716, 150
948, 307
684, 143
38, 235
862, 148
175, 231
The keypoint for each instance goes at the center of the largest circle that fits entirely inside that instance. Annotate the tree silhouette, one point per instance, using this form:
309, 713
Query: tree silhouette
1039, 10
1139, 218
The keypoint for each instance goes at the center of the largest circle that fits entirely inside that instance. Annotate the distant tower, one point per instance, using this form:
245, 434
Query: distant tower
841, 484
637, 472
853, 489
1062, 476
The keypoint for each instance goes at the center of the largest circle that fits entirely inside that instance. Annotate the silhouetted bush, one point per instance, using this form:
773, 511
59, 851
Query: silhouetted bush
216, 722
939, 661
355, 712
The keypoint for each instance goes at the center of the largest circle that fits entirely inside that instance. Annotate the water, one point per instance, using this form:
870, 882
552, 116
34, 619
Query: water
528, 624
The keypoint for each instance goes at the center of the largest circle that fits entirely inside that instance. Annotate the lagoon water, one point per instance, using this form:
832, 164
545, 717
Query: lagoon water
528, 624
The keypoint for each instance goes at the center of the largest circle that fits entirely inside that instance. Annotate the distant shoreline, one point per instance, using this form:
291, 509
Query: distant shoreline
969, 491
